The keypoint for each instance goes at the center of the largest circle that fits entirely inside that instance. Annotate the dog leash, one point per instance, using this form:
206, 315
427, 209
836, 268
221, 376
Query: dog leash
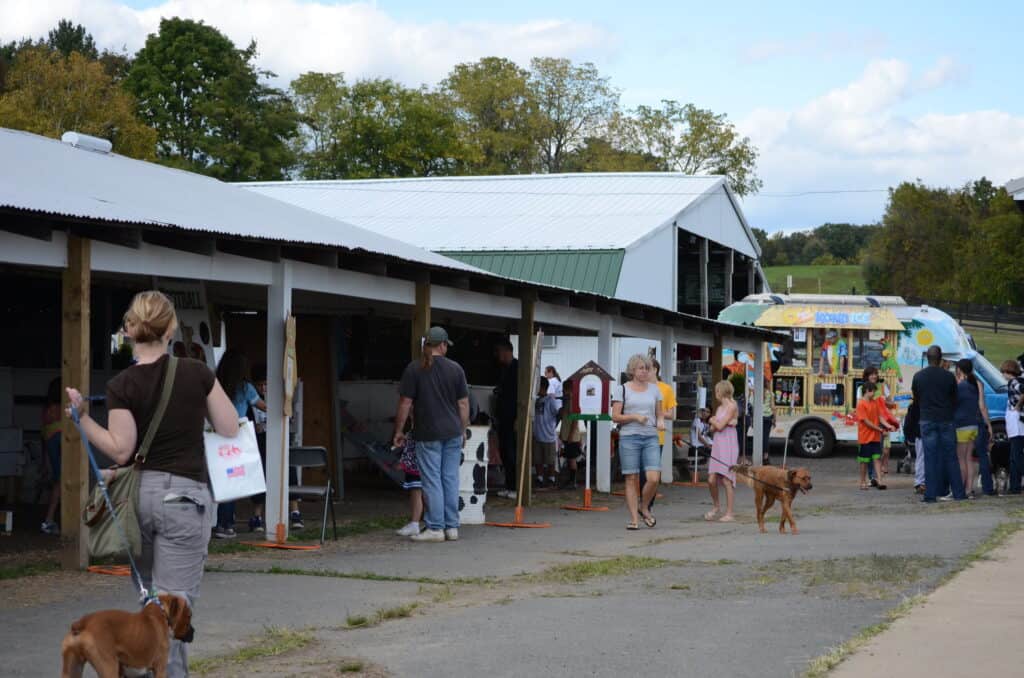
76, 419
747, 475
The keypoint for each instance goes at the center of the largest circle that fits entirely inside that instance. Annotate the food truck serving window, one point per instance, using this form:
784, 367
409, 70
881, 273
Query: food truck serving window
867, 348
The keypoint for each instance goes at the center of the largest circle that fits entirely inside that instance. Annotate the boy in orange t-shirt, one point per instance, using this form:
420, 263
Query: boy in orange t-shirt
869, 435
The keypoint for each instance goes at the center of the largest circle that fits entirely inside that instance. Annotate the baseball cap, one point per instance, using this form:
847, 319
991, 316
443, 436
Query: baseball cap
438, 335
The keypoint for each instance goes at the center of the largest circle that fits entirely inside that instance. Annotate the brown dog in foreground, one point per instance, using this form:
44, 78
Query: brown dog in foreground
771, 483
111, 640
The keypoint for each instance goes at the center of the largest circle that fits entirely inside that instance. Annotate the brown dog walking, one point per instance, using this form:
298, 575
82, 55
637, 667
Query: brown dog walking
111, 640
772, 483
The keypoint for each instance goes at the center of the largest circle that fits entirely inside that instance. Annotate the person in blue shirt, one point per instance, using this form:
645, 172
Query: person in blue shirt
233, 374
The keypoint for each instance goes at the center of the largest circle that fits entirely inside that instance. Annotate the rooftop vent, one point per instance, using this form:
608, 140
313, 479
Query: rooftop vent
86, 142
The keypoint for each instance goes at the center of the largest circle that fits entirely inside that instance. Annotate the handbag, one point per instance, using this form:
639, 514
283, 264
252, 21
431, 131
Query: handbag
234, 464
105, 538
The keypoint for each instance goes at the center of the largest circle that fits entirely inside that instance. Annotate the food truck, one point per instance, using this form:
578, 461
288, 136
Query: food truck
816, 378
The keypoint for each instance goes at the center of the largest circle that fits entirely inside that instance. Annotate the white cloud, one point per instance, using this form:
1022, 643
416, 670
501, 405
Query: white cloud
358, 38
857, 137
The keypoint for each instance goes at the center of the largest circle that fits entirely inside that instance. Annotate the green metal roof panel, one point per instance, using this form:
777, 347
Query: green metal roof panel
582, 270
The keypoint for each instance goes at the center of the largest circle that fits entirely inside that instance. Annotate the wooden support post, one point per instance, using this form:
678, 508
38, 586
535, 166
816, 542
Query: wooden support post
730, 268
603, 449
279, 305
703, 277
703, 271
758, 419
525, 385
420, 314
75, 370
716, 369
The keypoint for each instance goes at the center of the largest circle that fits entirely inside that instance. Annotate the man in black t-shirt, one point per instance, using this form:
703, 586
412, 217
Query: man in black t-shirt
506, 407
437, 387
934, 390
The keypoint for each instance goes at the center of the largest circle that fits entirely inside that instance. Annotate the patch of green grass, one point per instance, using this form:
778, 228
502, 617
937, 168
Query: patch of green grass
833, 279
275, 641
397, 612
680, 587
995, 539
820, 666
229, 546
573, 573
366, 576
997, 346
28, 569
350, 529
354, 621
351, 667
861, 574
443, 594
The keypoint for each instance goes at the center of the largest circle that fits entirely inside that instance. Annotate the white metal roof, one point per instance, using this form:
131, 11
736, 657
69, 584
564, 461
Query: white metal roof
1015, 187
522, 212
48, 176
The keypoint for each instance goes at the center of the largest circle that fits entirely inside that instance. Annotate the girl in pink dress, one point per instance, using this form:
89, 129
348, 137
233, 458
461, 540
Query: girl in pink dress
725, 451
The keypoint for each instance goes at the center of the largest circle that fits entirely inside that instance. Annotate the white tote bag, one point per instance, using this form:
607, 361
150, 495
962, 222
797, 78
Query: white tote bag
234, 464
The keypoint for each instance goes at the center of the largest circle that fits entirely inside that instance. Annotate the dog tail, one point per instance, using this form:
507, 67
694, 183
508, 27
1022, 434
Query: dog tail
742, 472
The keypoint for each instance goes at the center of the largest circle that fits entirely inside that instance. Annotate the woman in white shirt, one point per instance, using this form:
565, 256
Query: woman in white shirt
554, 383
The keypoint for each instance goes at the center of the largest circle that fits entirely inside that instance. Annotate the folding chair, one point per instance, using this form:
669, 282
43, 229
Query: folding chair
312, 457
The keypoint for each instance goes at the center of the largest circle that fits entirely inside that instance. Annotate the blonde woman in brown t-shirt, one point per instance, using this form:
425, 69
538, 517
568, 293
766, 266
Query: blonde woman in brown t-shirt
175, 508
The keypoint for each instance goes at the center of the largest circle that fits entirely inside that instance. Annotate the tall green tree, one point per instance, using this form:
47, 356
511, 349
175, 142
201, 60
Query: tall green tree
210, 105
597, 154
498, 115
691, 140
69, 37
49, 94
373, 128
574, 103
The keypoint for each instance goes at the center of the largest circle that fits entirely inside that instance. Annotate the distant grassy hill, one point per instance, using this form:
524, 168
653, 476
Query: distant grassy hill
806, 279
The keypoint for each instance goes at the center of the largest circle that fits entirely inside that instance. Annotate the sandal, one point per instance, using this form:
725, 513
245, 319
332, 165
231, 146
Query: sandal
727, 519
710, 515
865, 487
632, 526
650, 521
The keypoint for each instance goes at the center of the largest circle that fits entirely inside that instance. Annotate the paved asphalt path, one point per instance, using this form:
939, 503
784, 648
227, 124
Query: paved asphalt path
722, 599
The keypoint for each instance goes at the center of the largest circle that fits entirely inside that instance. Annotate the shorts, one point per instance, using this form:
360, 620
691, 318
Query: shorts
869, 452
639, 452
53, 454
572, 450
412, 481
543, 453
966, 434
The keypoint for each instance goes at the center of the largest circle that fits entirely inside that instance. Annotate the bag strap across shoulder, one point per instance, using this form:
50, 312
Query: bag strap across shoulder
161, 407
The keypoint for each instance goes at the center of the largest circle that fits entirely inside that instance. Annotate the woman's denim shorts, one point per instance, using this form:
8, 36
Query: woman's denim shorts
636, 452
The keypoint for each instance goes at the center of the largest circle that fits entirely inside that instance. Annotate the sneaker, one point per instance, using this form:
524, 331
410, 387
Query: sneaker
451, 534
538, 482
874, 482
948, 497
256, 524
919, 489
49, 528
552, 481
296, 520
429, 535
408, 530
972, 496
223, 533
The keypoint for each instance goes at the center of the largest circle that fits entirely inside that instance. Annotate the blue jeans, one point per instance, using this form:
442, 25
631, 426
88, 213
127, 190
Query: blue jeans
439, 462
1016, 463
941, 467
226, 514
981, 452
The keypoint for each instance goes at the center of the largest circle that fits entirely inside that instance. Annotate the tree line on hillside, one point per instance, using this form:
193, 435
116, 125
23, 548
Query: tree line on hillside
191, 98
963, 245
828, 244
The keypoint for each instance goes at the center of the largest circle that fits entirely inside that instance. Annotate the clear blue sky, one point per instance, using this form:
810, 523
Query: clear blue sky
854, 97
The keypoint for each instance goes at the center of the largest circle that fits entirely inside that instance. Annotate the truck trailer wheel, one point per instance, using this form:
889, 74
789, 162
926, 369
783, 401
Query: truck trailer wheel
813, 439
